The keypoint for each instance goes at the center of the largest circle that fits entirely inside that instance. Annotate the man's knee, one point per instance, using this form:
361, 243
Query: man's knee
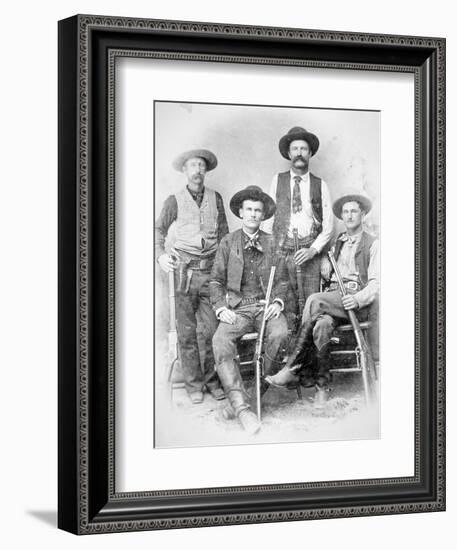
277, 329
224, 345
323, 330
313, 307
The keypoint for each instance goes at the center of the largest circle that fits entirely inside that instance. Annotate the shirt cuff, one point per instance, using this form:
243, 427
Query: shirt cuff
280, 302
219, 310
160, 252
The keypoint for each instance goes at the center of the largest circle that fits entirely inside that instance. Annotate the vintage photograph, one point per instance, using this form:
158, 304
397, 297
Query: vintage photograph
267, 274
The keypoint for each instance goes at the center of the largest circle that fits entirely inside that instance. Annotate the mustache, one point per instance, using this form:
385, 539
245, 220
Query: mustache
299, 157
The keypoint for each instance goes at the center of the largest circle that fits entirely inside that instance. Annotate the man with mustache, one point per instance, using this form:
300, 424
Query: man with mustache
200, 223
302, 204
239, 281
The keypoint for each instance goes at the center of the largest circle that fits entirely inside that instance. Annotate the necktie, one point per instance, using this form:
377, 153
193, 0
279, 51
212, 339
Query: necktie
296, 196
253, 244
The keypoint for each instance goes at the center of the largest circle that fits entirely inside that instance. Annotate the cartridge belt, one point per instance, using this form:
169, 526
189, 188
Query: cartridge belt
352, 286
199, 265
305, 242
248, 301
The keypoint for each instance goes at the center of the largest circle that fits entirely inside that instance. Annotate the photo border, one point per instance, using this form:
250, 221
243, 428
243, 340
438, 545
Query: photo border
88, 48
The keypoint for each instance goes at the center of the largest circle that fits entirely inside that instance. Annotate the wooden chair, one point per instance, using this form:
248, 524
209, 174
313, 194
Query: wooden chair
346, 355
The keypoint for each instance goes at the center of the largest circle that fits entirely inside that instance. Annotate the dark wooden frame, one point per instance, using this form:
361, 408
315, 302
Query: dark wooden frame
88, 46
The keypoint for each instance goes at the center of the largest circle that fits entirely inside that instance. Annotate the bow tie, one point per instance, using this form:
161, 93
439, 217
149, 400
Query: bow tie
348, 239
253, 243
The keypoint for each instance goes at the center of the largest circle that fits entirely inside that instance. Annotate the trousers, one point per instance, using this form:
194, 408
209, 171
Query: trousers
311, 285
248, 319
323, 311
193, 310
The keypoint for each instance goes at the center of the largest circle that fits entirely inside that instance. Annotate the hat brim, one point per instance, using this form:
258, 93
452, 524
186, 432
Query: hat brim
236, 202
311, 139
208, 156
361, 199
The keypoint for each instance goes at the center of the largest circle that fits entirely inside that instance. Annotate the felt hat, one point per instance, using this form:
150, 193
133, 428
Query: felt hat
253, 193
208, 156
297, 132
364, 202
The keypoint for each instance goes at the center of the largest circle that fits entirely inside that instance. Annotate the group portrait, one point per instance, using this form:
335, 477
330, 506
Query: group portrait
267, 274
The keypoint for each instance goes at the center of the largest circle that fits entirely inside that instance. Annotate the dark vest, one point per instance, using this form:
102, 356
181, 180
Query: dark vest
362, 255
250, 280
283, 205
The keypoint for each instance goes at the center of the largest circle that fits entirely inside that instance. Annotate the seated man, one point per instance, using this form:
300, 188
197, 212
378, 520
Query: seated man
238, 283
356, 253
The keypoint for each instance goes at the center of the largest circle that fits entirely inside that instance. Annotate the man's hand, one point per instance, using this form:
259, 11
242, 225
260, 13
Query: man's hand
227, 316
273, 311
349, 302
304, 255
167, 263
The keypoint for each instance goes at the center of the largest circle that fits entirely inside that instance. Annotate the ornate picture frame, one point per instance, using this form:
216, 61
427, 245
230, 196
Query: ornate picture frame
88, 499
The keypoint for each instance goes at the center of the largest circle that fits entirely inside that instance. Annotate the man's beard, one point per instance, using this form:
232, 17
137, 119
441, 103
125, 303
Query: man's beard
197, 178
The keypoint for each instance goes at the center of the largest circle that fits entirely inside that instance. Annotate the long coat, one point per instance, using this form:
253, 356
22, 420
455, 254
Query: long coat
225, 281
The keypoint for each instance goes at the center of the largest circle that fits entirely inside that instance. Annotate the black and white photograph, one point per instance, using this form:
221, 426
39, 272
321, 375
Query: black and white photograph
267, 274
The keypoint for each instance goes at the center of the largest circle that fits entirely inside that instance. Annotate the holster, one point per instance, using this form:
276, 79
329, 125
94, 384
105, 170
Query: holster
182, 273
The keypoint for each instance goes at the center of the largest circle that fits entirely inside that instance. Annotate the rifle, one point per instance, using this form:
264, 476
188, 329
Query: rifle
259, 358
366, 359
300, 280
173, 355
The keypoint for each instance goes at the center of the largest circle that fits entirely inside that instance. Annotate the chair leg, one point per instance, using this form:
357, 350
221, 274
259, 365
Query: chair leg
299, 393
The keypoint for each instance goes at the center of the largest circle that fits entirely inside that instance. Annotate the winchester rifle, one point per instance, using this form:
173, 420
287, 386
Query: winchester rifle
173, 355
366, 359
300, 280
259, 355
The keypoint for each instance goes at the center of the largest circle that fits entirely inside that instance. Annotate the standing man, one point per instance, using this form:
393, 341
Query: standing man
357, 257
200, 224
303, 208
239, 281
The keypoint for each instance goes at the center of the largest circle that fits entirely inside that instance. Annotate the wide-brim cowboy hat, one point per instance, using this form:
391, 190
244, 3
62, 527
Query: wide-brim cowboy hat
253, 193
208, 156
364, 202
297, 132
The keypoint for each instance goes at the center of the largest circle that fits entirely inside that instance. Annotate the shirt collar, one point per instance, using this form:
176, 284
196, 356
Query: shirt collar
248, 235
304, 178
196, 193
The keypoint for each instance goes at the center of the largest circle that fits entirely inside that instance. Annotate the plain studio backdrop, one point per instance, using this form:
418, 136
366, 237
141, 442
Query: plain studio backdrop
29, 275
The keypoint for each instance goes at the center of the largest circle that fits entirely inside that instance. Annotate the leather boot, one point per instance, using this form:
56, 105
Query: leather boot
323, 365
230, 377
323, 376
307, 378
283, 378
321, 396
249, 421
246, 417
